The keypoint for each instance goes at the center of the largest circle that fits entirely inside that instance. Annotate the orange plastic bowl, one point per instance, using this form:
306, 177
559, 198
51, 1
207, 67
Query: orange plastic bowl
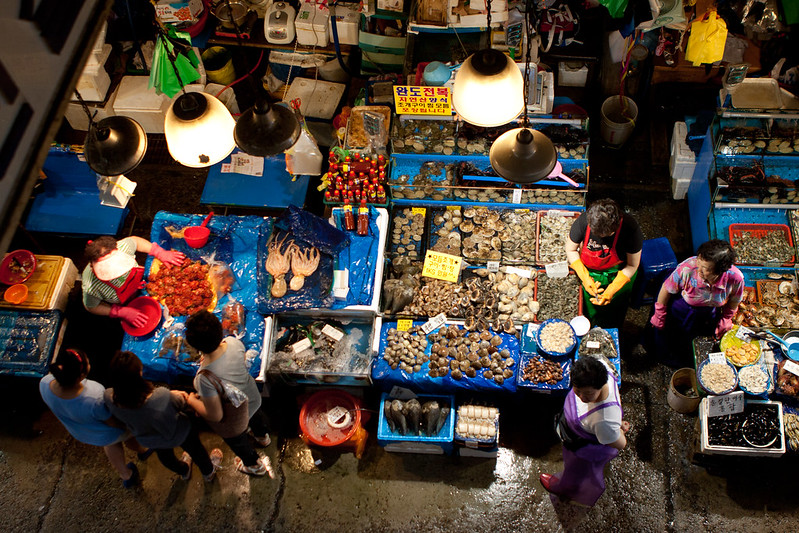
17, 267
151, 308
16, 294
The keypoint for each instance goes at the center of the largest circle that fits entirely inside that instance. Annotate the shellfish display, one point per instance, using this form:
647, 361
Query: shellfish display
552, 235
414, 418
519, 239
558, 297
541, 370
477, 422
464, 354
482, 231
429, 182
418, 136
752, 248
445, 236
516, 295
407, 231
399, 289
406, 349
324, 355
778, 306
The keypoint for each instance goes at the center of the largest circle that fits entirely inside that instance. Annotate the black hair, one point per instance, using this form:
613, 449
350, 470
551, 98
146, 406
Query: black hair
69, 367
130, 388
204, 331
589, 372
603, 217
97, 248
718, 252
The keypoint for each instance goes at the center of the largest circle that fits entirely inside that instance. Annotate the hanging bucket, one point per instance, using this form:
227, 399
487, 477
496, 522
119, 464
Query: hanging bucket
218, 63
619, 114
682, 395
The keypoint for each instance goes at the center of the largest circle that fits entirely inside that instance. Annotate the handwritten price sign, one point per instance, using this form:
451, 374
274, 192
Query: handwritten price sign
412, 100
442, 266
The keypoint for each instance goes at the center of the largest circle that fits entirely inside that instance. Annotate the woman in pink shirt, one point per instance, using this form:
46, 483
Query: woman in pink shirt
698, 299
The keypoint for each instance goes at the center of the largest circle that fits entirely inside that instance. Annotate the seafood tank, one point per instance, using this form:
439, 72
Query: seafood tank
321, 350
758, 430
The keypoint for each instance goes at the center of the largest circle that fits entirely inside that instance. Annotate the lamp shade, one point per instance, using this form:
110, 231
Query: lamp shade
115, 145
523, 155
266, 129
489, 89
198, 130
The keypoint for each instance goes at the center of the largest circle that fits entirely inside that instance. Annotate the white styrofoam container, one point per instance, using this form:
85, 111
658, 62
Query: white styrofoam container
572, 74
707, 448
682, 160
144, 105
76, 116
318, 99
347, 19
98, 57
94, 81
679, 188
311, 25
66, 280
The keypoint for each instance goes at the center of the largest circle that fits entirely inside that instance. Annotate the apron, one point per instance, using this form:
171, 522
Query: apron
583, 479
603, 265
130, 287
684, 322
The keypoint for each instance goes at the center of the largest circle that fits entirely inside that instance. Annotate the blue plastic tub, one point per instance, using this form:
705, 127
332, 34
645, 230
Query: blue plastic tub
444, 439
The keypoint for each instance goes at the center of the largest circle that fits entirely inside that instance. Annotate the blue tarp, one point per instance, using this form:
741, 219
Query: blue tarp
28, 341
233, 242
360, 258
421, 381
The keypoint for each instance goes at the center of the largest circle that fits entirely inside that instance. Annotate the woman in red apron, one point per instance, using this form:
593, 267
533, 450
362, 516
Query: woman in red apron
113, 278
604, 250
593, 402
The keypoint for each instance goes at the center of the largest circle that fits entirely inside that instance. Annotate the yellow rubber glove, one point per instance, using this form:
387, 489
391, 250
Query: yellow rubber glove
608, 293
590, 284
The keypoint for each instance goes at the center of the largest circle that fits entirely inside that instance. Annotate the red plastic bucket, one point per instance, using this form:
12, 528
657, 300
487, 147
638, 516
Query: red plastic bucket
316, 425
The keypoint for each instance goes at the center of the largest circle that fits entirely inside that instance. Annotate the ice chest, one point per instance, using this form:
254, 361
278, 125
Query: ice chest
49, 285
347, 18
435, 445
311, 25
707, 448
144, 105
29, 340
94, 81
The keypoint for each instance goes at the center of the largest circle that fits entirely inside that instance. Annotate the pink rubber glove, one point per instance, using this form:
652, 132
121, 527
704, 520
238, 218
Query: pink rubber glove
169, 257
659, 318
725, 325
132, 316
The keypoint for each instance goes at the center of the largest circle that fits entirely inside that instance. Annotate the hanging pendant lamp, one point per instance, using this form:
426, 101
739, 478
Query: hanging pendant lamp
198, 130
523, 155
488, 89
266, 129
115, 145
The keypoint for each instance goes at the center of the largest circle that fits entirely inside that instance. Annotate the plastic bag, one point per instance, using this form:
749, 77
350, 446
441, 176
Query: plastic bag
312, 229
222, 279
234, 317
707, 39
615, 7
174, 345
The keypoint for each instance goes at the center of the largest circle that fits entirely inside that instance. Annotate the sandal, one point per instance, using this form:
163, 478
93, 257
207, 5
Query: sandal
261, 469
134, 478
186, 458
216, 460
262, 442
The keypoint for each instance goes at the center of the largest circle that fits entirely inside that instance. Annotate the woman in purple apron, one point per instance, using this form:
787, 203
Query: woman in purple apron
698, 299
593, 416
113, 278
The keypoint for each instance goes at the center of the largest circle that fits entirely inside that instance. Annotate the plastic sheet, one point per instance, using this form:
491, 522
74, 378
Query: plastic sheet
313, 230
360, 258
315, 292
562, 385
421, 381
234, 242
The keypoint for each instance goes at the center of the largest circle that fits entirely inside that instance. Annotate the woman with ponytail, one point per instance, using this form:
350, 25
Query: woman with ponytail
78, 403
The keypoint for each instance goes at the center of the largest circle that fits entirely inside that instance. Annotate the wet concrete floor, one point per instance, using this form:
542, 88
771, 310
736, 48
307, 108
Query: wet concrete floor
50, 482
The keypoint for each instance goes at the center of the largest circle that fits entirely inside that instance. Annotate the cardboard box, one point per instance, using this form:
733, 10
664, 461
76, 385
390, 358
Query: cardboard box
168, 11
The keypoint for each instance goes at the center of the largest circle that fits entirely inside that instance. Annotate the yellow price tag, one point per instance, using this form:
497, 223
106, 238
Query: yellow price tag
522, 210
442, 266
453, 207
418, 210
404, 324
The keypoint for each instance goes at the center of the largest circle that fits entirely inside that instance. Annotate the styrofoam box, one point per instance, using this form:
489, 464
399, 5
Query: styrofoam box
311, 25
682, 161
76, 116
94, 81
707, 448
318, 99
66, 280
347, 19
572, 74
142, 104
679, 188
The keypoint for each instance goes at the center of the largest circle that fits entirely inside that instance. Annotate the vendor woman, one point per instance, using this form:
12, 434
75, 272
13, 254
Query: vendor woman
113, 278
698, 299
604, 250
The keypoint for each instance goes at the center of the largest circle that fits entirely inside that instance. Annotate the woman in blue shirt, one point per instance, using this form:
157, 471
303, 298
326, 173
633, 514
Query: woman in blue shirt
78, 403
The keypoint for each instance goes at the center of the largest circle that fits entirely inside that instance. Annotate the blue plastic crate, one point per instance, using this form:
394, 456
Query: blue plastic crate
444, 439
29, 341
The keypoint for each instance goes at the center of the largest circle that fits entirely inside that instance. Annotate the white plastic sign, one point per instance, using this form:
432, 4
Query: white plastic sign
557, 270
531, 329
333, 333
521, 272
791, 367
299, 346
492, 266
592, 345
726, 404
517, 196
434, 323
716, 358
743, 333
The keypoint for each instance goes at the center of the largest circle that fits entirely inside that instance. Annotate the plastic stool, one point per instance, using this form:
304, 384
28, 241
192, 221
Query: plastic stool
657, 262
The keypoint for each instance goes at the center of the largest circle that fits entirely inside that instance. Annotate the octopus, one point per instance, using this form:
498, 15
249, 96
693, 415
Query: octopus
303, 264
278, 263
